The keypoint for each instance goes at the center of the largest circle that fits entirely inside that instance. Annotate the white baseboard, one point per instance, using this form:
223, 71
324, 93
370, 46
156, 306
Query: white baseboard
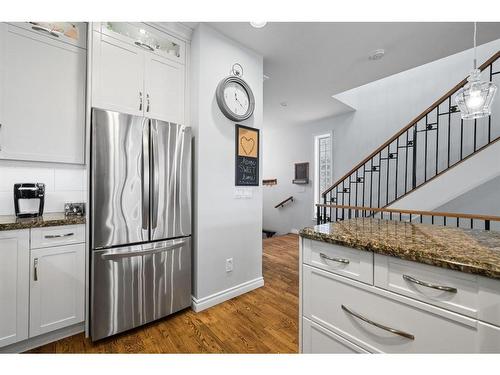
224, 295
46, 338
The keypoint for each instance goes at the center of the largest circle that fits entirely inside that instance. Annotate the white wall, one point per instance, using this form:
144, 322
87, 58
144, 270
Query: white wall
63, 183
224, 227
381, 108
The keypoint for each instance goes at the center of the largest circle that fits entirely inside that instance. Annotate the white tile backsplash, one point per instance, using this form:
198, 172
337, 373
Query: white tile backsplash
63, 183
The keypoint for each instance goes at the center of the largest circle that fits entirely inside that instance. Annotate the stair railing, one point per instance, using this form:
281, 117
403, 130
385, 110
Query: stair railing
435, 141
459, 220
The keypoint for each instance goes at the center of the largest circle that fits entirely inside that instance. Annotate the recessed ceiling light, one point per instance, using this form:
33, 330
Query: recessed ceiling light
284, 104
377, 54
258, 24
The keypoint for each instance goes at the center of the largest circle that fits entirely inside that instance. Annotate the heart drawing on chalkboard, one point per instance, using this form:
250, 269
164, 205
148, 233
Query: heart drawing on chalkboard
247, 144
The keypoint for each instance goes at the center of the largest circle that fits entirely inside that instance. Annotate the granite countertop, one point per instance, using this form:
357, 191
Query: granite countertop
468, 250
47, 220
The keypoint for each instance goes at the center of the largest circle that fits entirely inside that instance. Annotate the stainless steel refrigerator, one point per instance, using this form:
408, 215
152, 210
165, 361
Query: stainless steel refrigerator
140, 221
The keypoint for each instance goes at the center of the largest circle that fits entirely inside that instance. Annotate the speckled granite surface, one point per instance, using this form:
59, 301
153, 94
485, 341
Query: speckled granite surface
47, 220
467, 250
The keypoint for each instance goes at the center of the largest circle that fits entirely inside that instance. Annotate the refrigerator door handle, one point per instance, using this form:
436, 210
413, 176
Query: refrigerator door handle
155, 179
145, 177
114, 256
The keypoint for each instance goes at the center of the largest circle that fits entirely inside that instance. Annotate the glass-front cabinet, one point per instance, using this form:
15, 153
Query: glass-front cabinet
147, 38
74, 33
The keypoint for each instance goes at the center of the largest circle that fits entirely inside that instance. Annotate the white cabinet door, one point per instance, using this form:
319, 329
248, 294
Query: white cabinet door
42, 97
164, 88
118, 75
57, 288
14, 286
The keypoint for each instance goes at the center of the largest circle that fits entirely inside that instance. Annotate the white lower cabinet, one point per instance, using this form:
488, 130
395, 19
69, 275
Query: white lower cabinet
57, 288
14, 286
41, 290
341, 314
317, 339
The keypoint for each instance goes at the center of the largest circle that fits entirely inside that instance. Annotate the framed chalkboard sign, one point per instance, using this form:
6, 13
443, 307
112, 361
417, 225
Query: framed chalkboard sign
247, 156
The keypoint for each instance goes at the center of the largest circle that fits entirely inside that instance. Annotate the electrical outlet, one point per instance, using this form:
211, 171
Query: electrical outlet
229, 264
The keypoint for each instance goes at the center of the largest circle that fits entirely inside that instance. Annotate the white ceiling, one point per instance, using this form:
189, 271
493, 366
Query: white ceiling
309, 62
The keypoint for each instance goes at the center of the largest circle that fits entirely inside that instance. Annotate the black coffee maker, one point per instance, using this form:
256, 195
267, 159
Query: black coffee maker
29, 191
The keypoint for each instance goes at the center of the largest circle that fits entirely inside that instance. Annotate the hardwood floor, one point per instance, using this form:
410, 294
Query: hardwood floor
262, 321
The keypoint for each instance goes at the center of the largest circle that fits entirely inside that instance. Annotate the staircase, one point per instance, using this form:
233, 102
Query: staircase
405, 169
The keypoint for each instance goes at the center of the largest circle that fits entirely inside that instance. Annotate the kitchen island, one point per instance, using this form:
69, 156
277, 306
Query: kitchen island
371, 285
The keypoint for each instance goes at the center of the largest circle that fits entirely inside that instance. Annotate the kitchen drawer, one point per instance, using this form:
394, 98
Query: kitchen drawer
433, 330
463, 293
352, 263
316, 339
56, 236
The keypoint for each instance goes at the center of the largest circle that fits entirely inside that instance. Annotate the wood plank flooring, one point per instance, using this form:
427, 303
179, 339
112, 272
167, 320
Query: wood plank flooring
262, 321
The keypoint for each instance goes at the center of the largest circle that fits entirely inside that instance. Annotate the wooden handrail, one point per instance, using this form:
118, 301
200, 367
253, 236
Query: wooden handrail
281, 204
413, 212
412, 123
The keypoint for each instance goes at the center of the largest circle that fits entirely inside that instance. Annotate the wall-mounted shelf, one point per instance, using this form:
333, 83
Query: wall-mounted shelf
301, 174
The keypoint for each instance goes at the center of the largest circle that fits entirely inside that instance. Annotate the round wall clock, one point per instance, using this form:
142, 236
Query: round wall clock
235, 97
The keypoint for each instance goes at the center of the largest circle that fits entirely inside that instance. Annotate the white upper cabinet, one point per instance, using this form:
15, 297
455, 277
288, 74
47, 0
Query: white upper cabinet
14, 286
118, 75
164, 85
138, 73
42, 95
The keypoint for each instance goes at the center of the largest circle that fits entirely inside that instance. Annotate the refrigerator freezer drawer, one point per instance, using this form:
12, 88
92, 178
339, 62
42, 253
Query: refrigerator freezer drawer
137, 284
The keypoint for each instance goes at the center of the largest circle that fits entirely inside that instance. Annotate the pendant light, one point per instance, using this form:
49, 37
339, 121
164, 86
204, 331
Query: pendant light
475, 98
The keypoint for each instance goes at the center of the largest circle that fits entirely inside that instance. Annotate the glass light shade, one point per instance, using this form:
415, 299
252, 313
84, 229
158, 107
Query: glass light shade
475, 98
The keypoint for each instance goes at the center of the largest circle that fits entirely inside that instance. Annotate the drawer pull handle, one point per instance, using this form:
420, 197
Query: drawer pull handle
144, 45
429, 285
49, 236
378, 325
339, 260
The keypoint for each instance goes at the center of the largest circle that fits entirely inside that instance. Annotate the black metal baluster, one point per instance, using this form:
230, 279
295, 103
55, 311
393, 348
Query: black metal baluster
486, 225
489, 117
397, 163
475, 134
437, 138
356, 200
388, 167
414, 171
379, 175
449, 129
364, 175
425, 149
471, 223
371, 182
406, 162
461, 139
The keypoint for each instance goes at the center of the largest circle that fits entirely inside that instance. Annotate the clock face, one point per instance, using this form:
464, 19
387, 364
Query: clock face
236, 98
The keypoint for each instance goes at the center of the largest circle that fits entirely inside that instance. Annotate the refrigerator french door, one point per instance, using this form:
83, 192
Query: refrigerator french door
140, 221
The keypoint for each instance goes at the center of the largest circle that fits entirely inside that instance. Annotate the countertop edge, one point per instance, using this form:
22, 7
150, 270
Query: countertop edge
398, 253
43, 222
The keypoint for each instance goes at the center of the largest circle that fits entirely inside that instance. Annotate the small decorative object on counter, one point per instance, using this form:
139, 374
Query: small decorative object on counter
74, 209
